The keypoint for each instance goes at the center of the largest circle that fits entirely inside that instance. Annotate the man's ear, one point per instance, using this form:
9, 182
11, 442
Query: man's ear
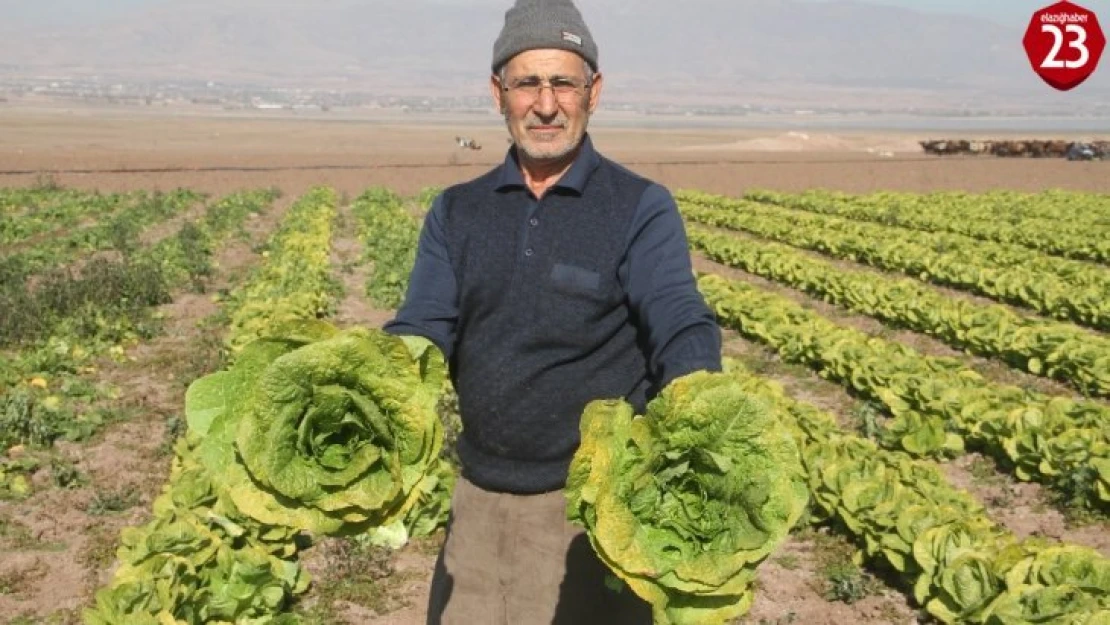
497, 93
595, 92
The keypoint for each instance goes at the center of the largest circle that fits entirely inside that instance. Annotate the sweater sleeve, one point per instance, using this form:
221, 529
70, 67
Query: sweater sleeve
430, 308
657, 273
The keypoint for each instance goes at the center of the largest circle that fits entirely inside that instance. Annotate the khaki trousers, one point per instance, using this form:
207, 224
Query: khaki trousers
516, 560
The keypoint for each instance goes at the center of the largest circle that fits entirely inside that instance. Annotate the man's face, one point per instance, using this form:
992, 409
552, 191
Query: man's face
548, 125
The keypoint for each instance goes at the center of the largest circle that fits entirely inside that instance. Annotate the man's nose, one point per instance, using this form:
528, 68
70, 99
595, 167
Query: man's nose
546, 103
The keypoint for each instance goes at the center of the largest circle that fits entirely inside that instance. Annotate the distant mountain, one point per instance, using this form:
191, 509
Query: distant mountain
697, 49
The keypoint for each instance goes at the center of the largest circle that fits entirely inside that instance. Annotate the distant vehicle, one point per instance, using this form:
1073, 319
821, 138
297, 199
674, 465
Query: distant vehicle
1095, 150
1081, 152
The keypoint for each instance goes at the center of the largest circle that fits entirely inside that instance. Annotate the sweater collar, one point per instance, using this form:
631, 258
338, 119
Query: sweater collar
574, 179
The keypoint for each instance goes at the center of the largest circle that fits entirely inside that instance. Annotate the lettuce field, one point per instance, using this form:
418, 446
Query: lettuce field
937, 363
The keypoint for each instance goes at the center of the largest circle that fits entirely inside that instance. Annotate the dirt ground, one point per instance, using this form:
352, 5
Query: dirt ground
120, 149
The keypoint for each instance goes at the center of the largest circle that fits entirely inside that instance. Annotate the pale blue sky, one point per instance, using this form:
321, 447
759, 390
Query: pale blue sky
1002, 11
61, 11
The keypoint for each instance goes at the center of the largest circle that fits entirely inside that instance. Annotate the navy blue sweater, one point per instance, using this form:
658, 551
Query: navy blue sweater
544, 304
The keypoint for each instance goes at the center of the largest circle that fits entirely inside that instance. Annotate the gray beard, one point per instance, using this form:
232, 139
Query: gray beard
521, 148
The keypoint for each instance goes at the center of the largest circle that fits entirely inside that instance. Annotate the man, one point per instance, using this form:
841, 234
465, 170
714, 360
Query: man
557, 278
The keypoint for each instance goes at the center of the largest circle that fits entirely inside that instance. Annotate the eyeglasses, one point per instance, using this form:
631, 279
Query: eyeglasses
563, 87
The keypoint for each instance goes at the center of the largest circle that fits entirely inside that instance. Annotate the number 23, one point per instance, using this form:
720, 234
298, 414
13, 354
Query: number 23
1058, 41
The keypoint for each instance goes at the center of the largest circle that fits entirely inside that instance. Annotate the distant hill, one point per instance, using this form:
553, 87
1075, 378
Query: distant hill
692, 50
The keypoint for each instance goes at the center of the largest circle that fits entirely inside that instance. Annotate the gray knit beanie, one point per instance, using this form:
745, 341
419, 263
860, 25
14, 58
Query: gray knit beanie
532, 24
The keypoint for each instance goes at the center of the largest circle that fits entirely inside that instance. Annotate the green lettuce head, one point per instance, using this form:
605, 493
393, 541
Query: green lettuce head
325, 431
684, 502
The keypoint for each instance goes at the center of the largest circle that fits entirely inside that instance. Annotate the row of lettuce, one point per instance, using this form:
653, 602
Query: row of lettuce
27, 214
389, 234
119, 230
939, 406
1056, 287
1057, 223
248, 494
1061, 351
200, 559
60, 321
1056, 205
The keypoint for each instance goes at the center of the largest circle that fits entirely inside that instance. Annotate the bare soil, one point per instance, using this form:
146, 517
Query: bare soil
791, 590
125, 150
1020, 506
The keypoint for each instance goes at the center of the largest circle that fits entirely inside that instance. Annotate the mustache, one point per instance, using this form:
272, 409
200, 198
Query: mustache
532, 121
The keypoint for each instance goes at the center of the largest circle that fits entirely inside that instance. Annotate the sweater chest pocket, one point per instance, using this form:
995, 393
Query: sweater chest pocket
576, 298
574, 280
